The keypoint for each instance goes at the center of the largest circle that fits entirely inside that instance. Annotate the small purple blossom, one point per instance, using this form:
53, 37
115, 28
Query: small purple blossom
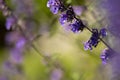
87, 46
66, 17
93, 41
56, 74
20, 43
94, 38
54, 6
103, 32
16, 56
77, 26
104, 56
10, 22
63, 19
54, 9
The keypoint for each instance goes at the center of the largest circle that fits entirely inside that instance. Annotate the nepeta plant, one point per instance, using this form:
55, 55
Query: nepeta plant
75, 24
19, 38
15, 40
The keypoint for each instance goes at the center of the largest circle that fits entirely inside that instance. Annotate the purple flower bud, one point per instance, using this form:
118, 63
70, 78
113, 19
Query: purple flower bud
93, 41
20, 43
56, 74
54, 6
16, 56
63, 19
51, 3
10, 22
103, 32
94, 38
54, 9
77, 26
68, 16
87, 46
104, 56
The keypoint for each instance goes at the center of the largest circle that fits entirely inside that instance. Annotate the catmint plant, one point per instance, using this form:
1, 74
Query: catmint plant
75, 24
21, 35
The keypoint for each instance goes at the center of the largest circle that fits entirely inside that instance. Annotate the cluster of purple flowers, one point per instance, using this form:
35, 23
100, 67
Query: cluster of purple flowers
95, 38
15, 41
68, 17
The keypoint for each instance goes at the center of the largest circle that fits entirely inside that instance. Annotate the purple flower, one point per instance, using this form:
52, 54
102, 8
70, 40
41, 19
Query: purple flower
56, 74
79, 9
104, 56
63, 19
94, 38
54, 6
77, 26
20, 43
93, 41
54, 9
10, 22
16, 56
87, 46
103, 32
66, 17
70, 14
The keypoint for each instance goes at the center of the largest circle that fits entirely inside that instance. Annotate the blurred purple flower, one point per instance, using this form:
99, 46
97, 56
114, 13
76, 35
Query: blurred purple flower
16, 56
56, 74
3, 78
79, 9
7, 65
20, 43
10, 22
24, 7
105, 56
